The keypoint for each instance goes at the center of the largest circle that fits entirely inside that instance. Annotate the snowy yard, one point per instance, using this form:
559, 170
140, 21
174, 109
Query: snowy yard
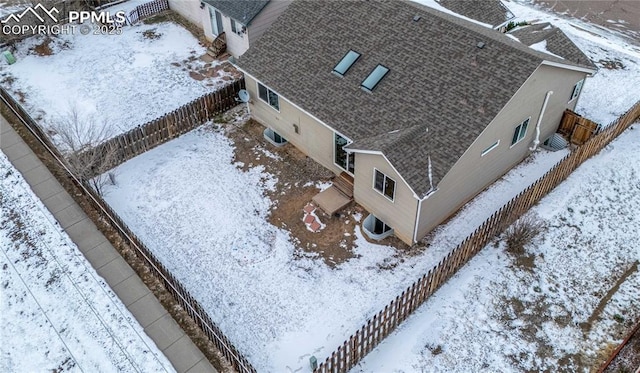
57, 314
280, 305
499, 315
117, 81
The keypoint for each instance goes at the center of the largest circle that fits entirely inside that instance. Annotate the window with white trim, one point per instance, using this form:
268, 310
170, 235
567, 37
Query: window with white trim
576, 90
493, 146
520, 131
237, 28
269, 96
384, 184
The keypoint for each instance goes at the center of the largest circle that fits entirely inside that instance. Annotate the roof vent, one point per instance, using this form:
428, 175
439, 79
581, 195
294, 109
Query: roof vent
416, 18
480, 44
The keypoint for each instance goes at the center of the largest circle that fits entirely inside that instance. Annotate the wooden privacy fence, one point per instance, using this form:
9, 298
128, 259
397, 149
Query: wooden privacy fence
173, 286
576, 128
147, 10
358, 345
169, 126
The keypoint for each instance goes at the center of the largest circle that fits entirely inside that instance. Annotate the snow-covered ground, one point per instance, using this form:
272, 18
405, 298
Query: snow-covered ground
495, 315
56, 313
12, 6
286, 305
117, 81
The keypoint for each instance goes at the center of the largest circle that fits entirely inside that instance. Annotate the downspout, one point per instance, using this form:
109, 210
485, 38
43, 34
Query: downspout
415, 228
544, 107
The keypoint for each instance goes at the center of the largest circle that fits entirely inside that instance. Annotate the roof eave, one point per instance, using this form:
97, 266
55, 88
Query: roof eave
583, 69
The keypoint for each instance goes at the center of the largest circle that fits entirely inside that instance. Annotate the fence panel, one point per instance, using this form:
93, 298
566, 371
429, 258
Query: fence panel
416, 294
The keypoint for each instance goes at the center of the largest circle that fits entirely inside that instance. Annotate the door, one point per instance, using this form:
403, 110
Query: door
216, 21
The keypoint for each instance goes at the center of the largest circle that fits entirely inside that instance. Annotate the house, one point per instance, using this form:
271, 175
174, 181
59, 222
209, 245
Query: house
416, 111
490, 12
240, 22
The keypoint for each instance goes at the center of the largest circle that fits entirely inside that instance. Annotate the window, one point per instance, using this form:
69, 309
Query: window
346, 62
342, 158
520, 131
237, 28
576, 90
269, 96
380, 227
374, 78
384, 184
493, 146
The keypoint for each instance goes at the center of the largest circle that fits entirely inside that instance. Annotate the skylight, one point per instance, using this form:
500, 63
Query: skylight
374, 78
346, 62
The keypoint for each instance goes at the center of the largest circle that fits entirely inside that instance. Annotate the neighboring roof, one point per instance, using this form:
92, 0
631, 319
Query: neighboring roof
492, 12
439, 78
556, 42
243, 11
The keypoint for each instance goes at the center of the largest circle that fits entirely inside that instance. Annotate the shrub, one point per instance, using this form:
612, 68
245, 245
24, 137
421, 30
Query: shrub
522, 232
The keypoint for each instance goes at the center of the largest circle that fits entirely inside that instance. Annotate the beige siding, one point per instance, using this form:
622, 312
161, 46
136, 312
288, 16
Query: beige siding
473, 172
314, 139
265, 18
189, 9
236, 44
400, 213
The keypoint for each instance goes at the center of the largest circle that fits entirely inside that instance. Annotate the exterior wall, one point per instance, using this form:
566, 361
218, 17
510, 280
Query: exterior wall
236, 44
189, 9
265, 18
399, 214
313, 139
473, 172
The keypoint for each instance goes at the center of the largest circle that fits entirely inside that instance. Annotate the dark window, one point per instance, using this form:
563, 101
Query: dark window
576, 90
379, 227
269, 96
384, 184
520, 131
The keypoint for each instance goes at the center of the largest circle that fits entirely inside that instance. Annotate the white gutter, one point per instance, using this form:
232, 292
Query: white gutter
417, 220
544, 107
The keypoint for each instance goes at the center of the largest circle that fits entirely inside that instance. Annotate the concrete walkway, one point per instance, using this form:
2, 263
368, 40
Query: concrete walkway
156, 321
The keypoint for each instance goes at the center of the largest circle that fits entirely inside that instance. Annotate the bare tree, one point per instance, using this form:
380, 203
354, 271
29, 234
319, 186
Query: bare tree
83, 143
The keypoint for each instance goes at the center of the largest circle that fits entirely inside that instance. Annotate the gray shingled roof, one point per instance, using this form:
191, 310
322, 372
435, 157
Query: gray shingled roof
485, 11
557, 42
243, 11
439, 79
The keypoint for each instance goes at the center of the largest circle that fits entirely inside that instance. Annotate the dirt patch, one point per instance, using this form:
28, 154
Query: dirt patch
298, 179
151, 34
44, 48
603, 302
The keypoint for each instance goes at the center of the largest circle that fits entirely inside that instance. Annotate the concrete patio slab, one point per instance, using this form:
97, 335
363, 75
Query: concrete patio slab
146, 311
9, 138
70, 216
203, 366
85, 234
47, 188
101, 255
131, 290
58, 202
37, 175
115, 271
185, 357
26, 163
331, 200
16, 150
165, 334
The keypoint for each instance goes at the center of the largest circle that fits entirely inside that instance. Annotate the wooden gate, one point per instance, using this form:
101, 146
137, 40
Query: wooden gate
576, 128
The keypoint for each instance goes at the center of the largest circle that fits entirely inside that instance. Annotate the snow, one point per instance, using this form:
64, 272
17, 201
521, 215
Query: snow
56, 312
435, 5
610, 92
117, 81
542, 47
8, 7
591, 240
